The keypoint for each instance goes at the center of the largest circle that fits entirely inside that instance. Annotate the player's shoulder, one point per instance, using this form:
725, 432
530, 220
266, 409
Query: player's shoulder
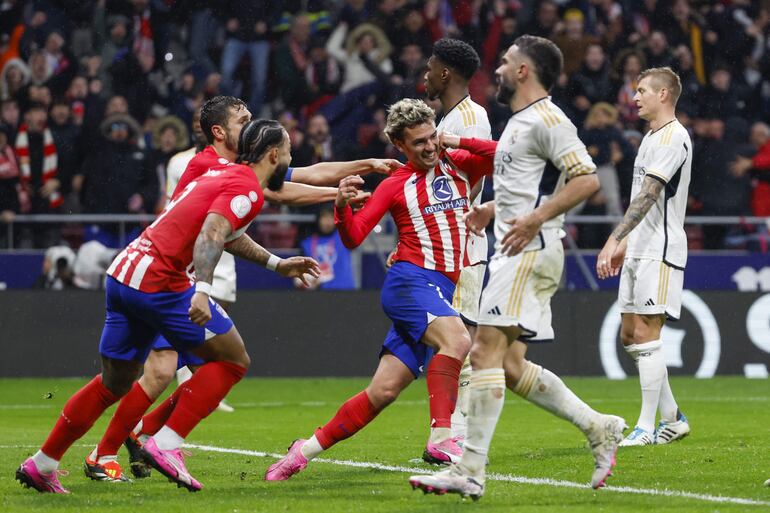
547, 115
397, 177
672, 133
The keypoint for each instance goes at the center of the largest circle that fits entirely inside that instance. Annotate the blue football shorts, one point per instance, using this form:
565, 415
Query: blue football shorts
136, 319
412, 297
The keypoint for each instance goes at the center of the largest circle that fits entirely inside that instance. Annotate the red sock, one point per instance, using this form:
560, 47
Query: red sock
201, 394
352, 416
130, 409
153, 421
77, 417
443, 377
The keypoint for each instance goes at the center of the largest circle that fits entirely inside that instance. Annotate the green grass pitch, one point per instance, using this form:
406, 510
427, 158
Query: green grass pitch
727, 454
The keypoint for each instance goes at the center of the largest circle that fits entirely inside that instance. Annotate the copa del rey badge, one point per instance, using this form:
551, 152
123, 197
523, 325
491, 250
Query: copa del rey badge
240, 205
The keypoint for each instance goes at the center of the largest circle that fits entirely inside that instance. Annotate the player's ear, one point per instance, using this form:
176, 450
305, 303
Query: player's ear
218, 132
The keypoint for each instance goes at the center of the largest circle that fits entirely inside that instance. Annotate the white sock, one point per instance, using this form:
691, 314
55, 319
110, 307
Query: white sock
105, 459
438, 435
487, 395
459, 416
545, 389
183, 374
45, 464
311, 448
138, 428
168, 439
651, 363
668, 407
94, 455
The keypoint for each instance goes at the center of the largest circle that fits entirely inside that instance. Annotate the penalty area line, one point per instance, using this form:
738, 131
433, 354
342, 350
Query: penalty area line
557, 483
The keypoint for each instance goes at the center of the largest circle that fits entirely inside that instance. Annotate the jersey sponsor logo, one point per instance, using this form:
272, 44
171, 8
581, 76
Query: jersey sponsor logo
441, 188
213, 172
446, 205
240, 205
639, 173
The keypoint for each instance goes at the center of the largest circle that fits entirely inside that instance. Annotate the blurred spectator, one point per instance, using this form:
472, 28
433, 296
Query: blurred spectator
502, 30
169, 136
546, 20
757, 165
354, 12
412, 32
319, 145
687, 27
112, 42
66, 138
10, 189
91, 262
291, 61
57, 268
60, 64
720, 192
323, 76
247, 32
691, 87
721, 98
205, 21
326, 247
628, 64
10, 117
592, 83
116, 178
408, 81
657, 52
572, 40
13, 79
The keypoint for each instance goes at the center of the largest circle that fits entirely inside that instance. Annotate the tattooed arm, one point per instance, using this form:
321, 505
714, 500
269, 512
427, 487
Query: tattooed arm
206, 253
639, 207
610, 258
245, 247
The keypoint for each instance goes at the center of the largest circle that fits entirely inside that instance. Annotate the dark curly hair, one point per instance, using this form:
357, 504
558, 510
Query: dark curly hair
458, 55
215, 112
545, 55
256, 138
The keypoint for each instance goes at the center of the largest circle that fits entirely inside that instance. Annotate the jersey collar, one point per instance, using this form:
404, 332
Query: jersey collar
530, 105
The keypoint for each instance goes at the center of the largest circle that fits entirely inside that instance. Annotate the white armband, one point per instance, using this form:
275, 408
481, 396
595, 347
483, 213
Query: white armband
203, 287
272, 262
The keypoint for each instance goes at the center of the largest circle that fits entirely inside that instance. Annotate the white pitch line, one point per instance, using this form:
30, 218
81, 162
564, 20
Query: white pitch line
503, 477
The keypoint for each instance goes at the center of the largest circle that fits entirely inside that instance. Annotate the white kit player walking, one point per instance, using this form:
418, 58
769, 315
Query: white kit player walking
651, 246
531, 198
451, 66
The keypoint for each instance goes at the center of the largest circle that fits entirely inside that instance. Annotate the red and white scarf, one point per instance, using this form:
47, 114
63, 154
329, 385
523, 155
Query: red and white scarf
50, 162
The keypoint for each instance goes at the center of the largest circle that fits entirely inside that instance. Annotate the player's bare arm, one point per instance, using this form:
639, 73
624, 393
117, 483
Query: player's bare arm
479, 216
523, 229
330, 173
303, 268
300, 194
610, 258
206, 253
348, 191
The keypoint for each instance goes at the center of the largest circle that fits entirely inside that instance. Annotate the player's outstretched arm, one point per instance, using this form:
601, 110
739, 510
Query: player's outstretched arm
299, 194
609, 259
206, 253
330, 173
303, 268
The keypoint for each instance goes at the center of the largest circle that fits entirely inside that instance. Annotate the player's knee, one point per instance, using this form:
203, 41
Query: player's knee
461, 344
627, 336
382, 396
514, 369
118, 385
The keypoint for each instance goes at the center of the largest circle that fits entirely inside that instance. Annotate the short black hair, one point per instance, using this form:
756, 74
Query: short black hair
256, 137
545, 56
458, 55
215, 112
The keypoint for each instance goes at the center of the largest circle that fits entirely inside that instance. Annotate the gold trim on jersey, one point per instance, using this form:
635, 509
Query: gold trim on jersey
663, 278
665, 137
522, 274
469, 117
656, 174
550, 118
573, 166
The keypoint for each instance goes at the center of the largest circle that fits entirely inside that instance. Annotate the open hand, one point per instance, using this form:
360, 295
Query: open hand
303, 268
523, 230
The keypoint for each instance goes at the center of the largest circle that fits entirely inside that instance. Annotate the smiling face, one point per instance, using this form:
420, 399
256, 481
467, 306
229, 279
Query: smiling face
420, 145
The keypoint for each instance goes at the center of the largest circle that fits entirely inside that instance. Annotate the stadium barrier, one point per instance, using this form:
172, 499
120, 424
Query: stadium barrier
339, 334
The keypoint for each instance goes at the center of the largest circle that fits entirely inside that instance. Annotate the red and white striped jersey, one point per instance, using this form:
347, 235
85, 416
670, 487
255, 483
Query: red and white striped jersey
427, 207
206, 159
161, 258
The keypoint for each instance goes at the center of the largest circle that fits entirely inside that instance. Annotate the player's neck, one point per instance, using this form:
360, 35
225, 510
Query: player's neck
223, 151
451, 97
662, 119
262, 171
526, 95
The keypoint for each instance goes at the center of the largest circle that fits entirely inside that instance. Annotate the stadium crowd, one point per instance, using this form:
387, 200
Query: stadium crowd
97, 95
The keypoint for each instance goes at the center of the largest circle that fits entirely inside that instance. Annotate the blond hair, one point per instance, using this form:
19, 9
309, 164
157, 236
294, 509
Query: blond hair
602, 107
404, 114
664, 77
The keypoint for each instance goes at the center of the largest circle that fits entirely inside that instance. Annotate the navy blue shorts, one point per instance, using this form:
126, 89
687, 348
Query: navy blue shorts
412, 297
135, 320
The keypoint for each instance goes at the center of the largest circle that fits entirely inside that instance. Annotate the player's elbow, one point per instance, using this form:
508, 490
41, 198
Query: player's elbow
593, 184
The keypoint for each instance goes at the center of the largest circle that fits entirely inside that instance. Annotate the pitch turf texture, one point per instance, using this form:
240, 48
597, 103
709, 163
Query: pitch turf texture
540, 463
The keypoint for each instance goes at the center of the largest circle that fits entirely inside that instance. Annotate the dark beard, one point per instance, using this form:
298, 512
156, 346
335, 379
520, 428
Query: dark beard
504, 94
275, 182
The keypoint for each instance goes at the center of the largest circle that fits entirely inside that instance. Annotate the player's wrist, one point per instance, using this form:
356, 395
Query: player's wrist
203, 288
273, 262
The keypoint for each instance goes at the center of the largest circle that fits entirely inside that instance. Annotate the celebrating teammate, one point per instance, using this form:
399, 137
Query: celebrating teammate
531, 197
451, 66
221, 119
651, 246
150, 291
427, 199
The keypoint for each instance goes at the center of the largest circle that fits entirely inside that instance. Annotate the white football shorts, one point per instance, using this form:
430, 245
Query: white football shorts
224, 283
468, 293
650, 287
520, 289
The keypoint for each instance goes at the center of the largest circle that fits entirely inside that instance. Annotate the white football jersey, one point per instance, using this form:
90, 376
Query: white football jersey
666, 155
225, 269
469, 119
538, 152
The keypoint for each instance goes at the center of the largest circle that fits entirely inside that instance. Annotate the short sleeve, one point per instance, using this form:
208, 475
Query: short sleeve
666, 159
562, 146
236, 202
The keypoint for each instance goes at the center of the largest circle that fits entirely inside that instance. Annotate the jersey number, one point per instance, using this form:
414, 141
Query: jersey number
174, 202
